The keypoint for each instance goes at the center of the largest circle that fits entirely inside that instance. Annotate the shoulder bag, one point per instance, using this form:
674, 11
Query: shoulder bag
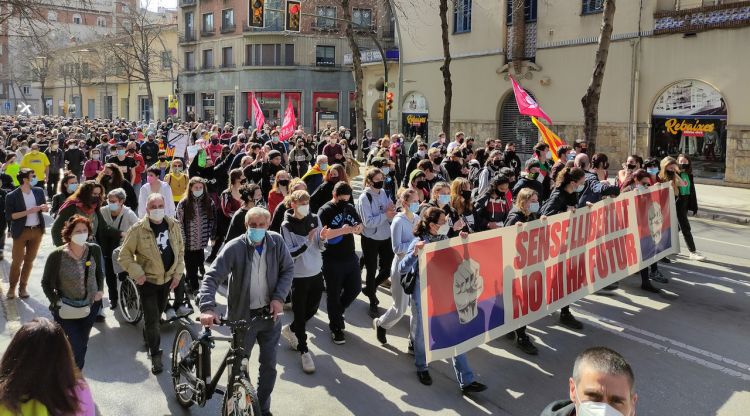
76, 309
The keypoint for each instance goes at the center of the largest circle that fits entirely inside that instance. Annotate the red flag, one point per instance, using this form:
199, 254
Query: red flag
553, 141
289, 124
526, 104
258, 114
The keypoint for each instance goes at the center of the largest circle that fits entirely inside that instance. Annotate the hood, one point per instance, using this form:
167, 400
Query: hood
560, 408
299, 226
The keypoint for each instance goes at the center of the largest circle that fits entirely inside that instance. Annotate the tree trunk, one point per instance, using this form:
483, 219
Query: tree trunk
127, 112
446, 67
150, 100
44, 102
518, 48
590, 101
359, 122
65, 93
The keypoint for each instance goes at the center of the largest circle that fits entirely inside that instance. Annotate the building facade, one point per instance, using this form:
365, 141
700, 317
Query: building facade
673, 81
224, 60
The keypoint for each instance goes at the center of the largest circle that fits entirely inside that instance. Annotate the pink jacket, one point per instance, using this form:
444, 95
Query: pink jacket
92, 168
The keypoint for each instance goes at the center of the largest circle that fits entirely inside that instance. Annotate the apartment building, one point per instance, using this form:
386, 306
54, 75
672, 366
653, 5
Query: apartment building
224, 60
673, 81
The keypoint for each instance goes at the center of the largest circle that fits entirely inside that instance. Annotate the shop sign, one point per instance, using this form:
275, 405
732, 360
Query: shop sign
688, 128
416, 120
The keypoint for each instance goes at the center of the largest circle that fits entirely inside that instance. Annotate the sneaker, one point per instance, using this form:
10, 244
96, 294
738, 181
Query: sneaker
308, 366
656, 276
338, 337
474, 387
184, 310
112, 305
290, 337
379, 332
373, 310
170, 314
567, 319
525, 345
650, 288
697, 256
424, 377
156, 365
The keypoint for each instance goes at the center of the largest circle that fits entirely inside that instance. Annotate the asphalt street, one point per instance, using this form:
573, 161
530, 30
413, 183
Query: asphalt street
688, 347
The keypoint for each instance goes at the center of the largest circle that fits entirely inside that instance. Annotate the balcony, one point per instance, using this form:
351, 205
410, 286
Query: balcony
188, 36
250, 29
364, 28
188, 3
704, 18
228, 28
208, 32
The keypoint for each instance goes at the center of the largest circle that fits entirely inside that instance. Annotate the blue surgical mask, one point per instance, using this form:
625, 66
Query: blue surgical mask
72, 187
572, 156
444, 199
414, 207
113, 206
534, 207
275, 139
198, 193
256, 235
34, 181
386, 171
324, 166
120, 153
580, 188
652, 171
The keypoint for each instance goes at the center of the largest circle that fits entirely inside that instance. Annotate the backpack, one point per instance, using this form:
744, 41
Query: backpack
408, 281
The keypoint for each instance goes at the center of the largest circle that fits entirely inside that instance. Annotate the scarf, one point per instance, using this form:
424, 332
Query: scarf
315, 170
429, 238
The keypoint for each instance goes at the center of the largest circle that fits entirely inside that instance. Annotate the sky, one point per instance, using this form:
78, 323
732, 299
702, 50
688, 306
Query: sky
155, 4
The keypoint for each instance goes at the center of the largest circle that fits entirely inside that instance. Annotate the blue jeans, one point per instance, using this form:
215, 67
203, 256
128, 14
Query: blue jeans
464, 375
266, 333
78, 331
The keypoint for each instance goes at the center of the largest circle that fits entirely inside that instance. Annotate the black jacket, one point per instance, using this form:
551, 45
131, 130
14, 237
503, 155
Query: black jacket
14, 203
410, 166
322, 194
558, 202
528, 183
515, 216
150, 152
512, 161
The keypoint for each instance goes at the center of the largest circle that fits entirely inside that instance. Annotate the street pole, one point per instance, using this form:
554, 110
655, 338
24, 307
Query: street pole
386, 126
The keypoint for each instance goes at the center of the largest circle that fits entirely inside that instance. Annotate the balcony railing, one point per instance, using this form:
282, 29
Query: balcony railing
207, 66
188, 3
188, 36
325, 26
704, 18
206, 32
247, 28
228, 28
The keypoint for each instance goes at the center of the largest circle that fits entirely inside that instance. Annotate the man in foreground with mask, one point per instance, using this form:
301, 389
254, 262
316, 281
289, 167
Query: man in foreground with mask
603, 384
260, 271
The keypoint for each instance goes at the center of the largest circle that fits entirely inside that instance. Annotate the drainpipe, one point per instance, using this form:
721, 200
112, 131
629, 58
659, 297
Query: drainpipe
635, 72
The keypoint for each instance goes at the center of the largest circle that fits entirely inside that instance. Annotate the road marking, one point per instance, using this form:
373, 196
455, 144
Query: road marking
707, 276
12, 319
721, 242
606, 324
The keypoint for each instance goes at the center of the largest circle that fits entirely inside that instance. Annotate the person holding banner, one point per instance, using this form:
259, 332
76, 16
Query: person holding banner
640, 180
595, 187
492, 208
570, 182
681, 183
441, 198
431, 227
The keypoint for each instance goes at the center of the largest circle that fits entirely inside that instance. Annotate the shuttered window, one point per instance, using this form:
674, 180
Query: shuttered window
517, 128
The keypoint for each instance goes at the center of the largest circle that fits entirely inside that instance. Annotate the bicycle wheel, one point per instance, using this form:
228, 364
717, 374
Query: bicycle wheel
129, 301
183, 361
241, 400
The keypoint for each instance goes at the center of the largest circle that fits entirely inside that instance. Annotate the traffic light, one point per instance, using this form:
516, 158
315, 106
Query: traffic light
293, 10
389, 100
381, 110
257, 11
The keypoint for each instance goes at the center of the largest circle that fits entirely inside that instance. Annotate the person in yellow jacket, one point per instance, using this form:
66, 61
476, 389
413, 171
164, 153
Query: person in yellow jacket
177, 180
153, 254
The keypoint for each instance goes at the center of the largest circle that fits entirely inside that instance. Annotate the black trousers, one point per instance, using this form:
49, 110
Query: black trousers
306, 294
682, 218
378, 255
154, 301
343, 284
645, 274
194, 260
52, 179
111, 278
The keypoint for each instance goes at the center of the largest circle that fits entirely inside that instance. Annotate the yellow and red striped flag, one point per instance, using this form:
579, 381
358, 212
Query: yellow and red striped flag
553, 141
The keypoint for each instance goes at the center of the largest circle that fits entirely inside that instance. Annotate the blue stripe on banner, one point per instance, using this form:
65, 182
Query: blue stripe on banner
446, 331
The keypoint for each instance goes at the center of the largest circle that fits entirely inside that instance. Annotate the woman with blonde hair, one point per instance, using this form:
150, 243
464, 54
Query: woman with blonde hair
680, 181
461, 201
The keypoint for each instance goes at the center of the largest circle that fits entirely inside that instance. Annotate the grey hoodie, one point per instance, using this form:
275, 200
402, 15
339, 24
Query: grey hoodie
234, 262
308, 261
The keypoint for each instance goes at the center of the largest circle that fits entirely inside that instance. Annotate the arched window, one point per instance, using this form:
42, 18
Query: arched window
516, 128
101, 21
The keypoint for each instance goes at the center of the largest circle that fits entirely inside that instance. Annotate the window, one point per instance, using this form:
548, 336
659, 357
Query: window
289, 54
325, 55
208, 58
166, 59
362, 18
208, 100
269, 54
26, 89
274, 17
325, 17
227, 60
592, 6
208, 23
227, 19
77, 19
462, 16
529, 11
52, 16
189, 22
190, 61
101, 21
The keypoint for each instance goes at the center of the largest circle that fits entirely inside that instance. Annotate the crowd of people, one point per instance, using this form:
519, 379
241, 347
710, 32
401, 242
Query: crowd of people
278, 220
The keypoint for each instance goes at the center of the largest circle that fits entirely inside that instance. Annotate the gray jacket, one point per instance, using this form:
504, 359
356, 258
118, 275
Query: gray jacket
308, 260
371, 207
233, 263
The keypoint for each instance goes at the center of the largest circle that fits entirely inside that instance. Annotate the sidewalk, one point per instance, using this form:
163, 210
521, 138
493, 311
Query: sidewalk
722, 203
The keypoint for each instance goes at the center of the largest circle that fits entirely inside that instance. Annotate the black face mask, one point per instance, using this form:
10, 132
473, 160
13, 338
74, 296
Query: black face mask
284, 182
162, 159
378, 185
421, 185
497, 163
438, 160
215, 141
466, 195
684, 166
631, 167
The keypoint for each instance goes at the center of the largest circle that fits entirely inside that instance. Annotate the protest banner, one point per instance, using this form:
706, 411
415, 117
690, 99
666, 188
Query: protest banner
477, 289
177, 143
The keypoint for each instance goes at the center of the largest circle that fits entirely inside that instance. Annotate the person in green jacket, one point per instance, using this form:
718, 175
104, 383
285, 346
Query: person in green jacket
12, 167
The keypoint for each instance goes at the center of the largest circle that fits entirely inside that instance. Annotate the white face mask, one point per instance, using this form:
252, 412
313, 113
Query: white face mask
303, 210
156, 215
443, 230
79, 238
589, 408
549, 155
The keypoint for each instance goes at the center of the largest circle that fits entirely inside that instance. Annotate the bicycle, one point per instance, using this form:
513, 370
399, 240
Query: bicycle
191, 361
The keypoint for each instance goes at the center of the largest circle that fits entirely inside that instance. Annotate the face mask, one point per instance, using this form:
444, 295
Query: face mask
255, 235
443, 230
215, 141
162, 159
589, 408
303, 210
120, 153
198, 193
572, 156
444, 199
80, 238
386, 171
156, 215
74, 147
34, 181
113, 206
466, 195
631, 167
497, 163
684, 166
414, 207
421, 185
652, 171
72, 187
532, 176
579, 189
53, 147
95, 156
275, 139
421, 153
283, 182
377, 185
533, 207
324, 166
642, 187
549, 155
347, 135
177, 169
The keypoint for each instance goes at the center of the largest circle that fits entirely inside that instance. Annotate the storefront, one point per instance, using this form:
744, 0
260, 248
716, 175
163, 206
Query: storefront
273, 104
325, 105
414, 116
690, 117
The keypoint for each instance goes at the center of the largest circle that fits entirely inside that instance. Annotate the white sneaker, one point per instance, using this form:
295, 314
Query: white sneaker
697, 256
184, 310
286, 331
169, 314
308, 366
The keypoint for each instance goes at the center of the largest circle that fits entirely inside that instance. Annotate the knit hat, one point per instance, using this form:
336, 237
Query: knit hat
414, 174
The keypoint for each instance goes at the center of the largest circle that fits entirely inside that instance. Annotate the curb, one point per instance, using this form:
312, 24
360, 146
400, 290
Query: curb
722, 216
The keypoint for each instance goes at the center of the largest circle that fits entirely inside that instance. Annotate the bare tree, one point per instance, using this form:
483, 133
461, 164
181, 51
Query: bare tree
445, 69
360, 123
590, 100
518, 47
